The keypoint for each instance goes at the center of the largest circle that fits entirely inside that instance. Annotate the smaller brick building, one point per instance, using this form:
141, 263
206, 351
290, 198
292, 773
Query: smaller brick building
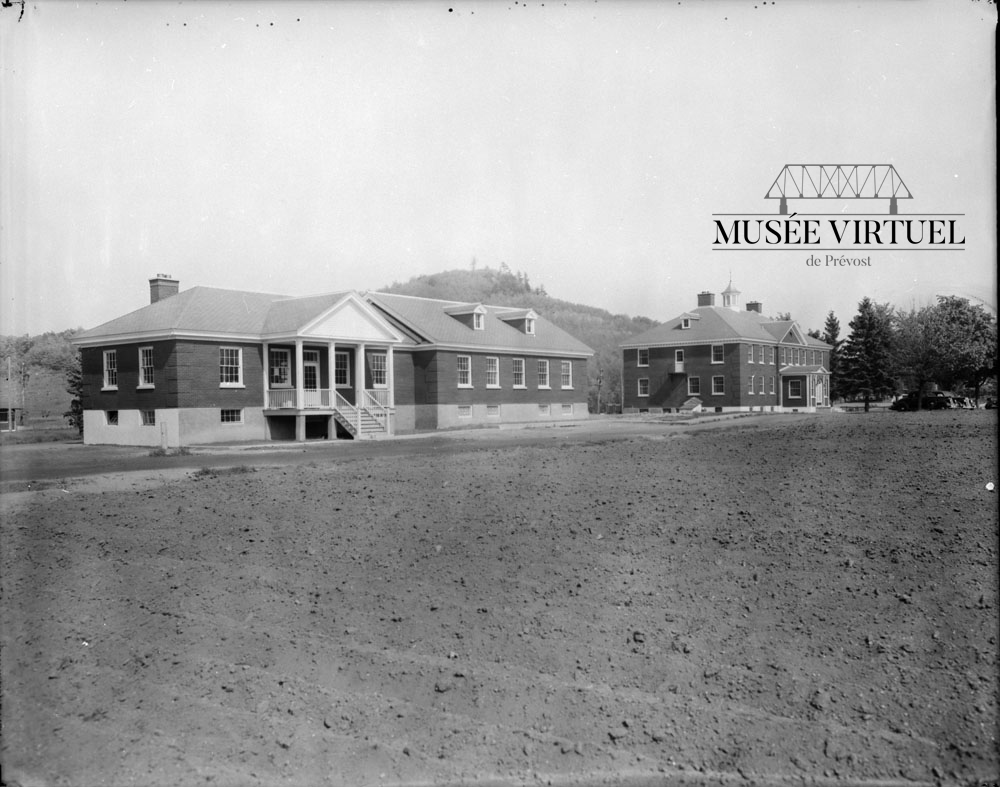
211, 365
724, 358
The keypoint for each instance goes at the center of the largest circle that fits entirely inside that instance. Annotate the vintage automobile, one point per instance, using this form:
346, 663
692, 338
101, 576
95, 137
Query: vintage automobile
932, 400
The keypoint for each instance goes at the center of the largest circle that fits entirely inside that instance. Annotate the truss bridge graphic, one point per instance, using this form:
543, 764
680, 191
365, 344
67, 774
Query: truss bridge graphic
838, 181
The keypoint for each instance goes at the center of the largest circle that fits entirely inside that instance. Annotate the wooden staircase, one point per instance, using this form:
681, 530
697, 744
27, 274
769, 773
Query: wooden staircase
362, 423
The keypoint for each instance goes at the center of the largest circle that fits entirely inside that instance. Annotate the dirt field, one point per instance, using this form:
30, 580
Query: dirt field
812, 599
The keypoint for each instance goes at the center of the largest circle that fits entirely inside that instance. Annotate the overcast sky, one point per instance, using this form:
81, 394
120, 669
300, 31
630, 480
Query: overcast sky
309, 147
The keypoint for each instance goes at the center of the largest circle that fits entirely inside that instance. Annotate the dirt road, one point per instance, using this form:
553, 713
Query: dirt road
762, 601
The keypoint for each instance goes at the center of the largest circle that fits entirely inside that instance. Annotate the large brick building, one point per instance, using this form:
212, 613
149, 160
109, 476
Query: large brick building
210, 365
725, 359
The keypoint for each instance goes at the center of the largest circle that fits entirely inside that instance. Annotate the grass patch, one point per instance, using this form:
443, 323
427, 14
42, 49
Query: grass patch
170, 452
214, 472
32, 436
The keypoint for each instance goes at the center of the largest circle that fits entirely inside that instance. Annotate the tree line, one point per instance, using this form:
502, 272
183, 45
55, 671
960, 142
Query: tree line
951, 344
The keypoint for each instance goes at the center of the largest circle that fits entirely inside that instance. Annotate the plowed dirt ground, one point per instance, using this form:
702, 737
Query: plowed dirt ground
811, 599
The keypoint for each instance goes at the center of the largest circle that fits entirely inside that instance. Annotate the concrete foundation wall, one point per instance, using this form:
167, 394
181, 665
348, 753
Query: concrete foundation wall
204, 425
130, 430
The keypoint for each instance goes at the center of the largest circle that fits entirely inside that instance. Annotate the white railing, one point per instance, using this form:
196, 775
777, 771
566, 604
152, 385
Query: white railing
281, 399
378, 395
376, 408
319, 397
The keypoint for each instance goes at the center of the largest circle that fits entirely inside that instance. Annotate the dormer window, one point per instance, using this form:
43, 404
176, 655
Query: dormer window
529, 326
479, 321
685, 323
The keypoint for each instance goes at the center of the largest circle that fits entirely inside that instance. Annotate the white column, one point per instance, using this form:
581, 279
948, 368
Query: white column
359, 375
390, 377
267, 374
300, 395
331, 349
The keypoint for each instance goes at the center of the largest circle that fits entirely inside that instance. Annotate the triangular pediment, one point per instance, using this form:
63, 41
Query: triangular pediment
350, 319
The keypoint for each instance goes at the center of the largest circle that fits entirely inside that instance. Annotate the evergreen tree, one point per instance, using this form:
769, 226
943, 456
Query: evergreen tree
866, 362
831, 335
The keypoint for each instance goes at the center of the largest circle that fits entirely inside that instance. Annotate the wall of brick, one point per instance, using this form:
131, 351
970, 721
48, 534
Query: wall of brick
128, 395
197, 365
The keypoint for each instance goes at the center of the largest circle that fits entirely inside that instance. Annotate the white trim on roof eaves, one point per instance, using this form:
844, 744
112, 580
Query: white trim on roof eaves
504, 349
152, 336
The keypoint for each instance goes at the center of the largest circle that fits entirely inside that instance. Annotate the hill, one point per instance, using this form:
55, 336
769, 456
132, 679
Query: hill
598, 328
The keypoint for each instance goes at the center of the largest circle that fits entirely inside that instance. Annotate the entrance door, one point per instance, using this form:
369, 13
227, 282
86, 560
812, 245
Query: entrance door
310, 377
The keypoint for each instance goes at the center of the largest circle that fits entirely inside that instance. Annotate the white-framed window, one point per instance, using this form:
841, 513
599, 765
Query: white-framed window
770, 355
760, 385
342, 370
148, 417
543, 374
760, 353
694, 386
566, 374
465, 411
751, 385
642, 356
794, 389
479, 321
464, 365
231, 416
567, 409
111, 417
685, 323
145, 367
492, 411
492, 373
643, 386
543, 409
230, 367
718, 353
378, 367
529, 326
784, 358
678, 356
518, 373
771, 385
749, 353
280, 366
718, 385
110, 370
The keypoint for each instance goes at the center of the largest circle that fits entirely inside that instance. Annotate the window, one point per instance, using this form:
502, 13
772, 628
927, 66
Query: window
751, 385
643, 356
230, 367
111, 417
529, 326
464, 372
694, 386
794, 389
492, 411
718, 385
567, 409
518, 374
771, 386
685, 323
678, 356
749, 353
783, 357
643, 386
342, 370
148, 417
760, 353
379, 370
543, 409
770, 355
543, 374
718, 353
479, 321
567, 374
492, 373
280, 365
145, 367
111, 369
465, 411
231, 416
760, 385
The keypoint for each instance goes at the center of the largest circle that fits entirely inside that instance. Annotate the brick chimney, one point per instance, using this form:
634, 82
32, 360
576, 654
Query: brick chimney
163, 286
706, 299
755, 306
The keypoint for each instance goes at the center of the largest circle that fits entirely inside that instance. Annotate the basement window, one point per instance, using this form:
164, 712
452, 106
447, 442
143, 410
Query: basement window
148, 417
111, 417
231, 416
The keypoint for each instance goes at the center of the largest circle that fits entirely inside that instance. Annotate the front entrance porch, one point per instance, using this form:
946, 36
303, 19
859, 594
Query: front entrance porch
332, 383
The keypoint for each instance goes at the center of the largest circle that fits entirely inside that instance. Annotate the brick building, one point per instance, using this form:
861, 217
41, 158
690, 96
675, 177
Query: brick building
211, 365
725, 359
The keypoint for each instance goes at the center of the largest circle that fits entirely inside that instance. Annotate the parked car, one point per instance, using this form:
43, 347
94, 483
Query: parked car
932, 400
991, 403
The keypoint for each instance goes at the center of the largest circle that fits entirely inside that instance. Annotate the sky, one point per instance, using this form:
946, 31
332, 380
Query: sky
310, 147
